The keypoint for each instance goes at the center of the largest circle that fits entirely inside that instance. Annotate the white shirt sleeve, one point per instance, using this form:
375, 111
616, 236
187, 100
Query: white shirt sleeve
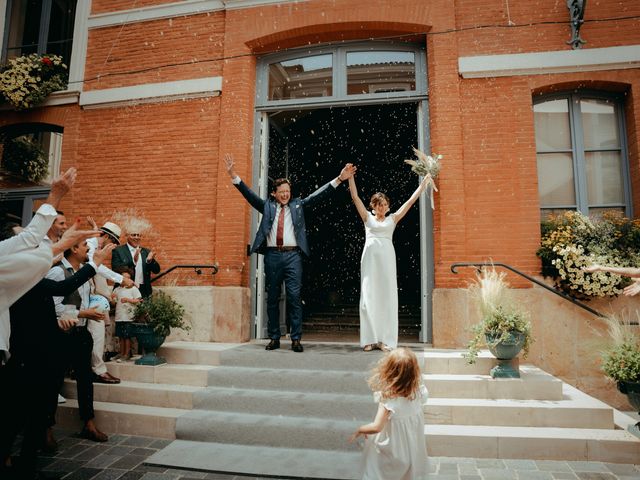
33, 233
102, 270
334, 183
236, 180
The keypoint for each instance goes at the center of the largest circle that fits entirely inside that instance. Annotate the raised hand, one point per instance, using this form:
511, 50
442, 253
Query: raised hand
61, 186
136, 255
150, 256
347, 172
230, 165
71, 237
100, 255
92, 222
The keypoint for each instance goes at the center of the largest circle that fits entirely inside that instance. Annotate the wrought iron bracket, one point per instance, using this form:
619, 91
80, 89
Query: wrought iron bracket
576, 15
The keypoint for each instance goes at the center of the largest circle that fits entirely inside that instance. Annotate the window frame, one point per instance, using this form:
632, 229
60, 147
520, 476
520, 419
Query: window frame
578, 149
339, 76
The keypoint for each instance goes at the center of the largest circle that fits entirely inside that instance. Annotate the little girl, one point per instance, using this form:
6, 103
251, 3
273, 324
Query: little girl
398, 450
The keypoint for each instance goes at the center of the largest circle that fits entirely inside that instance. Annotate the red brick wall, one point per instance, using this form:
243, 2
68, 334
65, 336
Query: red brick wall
165, 158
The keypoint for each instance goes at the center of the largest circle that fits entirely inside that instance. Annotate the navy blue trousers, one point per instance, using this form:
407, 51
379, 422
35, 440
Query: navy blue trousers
287, 267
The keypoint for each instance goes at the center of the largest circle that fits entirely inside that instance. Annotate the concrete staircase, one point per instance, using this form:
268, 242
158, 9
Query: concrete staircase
237, 408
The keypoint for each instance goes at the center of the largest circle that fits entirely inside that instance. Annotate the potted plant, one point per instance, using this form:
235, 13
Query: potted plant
156, 315
504, 327
26, 81
621, 362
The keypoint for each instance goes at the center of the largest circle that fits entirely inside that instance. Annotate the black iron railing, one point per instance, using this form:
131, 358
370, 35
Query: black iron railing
197, 269
568, 298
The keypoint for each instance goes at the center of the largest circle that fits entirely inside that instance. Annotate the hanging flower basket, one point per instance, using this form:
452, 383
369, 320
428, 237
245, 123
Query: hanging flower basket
22, 156
26, 81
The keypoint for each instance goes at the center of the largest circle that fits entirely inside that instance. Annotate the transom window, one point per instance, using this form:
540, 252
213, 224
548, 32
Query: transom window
581, 152
353, 73
39, 26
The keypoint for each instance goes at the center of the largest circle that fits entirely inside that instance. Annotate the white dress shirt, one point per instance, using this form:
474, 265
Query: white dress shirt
57, 274
103, 270
23, 263
139, 277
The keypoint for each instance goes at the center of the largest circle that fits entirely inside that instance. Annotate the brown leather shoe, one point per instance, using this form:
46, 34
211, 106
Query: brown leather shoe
105, 378
296, 346
94, 434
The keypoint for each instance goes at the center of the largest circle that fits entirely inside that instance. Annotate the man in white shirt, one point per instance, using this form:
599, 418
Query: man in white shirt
79, 343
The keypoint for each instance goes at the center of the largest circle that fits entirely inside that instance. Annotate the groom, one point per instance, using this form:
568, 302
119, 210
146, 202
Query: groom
282, 239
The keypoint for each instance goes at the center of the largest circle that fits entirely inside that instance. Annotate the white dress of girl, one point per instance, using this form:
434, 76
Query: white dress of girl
399, 451
379, 284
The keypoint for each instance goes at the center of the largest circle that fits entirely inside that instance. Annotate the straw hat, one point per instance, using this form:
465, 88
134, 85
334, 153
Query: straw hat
112, 230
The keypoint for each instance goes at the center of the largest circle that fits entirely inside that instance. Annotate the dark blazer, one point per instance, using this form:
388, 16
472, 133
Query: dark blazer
121, 256
34, 324
268, 210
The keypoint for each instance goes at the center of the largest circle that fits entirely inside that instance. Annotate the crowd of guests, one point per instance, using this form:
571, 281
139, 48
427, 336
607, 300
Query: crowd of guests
57, 284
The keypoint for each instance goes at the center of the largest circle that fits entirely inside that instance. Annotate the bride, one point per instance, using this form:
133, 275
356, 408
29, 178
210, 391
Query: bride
378, 287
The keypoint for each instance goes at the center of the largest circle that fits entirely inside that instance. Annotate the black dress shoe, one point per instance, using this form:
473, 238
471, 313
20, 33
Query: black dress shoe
273, 344
296, 346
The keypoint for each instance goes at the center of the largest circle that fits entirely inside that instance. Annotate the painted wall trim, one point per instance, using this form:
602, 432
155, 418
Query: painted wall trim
585, 60
156, 12
152, 92
176, 9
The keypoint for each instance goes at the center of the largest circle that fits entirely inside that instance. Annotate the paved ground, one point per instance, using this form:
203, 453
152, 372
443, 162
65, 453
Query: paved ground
124, 455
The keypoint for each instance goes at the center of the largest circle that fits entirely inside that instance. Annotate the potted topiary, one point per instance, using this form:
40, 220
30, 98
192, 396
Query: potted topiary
621, 362
156, 315
504, 327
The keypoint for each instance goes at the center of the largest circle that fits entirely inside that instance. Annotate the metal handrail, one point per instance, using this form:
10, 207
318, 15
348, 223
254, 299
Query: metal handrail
569, 298
197, 269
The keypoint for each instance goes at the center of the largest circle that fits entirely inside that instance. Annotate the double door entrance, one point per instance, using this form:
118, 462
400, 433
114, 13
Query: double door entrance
309, 145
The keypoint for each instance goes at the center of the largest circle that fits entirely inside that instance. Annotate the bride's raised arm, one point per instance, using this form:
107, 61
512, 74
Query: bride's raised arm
402, 211
362, 210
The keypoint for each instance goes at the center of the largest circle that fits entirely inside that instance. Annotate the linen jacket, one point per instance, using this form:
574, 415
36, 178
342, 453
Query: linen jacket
121, 256
268, 210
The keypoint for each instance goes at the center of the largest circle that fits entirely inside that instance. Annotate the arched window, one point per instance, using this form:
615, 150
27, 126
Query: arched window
582, 154
39, 145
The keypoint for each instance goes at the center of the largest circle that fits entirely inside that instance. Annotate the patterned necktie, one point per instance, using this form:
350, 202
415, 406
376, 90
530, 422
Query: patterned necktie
280, 229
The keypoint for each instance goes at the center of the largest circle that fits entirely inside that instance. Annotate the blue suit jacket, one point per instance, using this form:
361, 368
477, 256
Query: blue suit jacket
268, 210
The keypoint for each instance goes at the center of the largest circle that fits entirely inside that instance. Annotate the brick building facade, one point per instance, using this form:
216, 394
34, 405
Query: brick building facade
160, 90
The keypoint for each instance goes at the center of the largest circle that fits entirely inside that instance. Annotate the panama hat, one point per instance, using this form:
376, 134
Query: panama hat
112, 230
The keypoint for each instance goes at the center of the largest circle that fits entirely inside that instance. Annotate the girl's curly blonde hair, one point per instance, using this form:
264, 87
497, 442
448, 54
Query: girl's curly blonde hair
397, 374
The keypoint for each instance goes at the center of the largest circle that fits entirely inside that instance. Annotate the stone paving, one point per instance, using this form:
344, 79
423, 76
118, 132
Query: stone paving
123, 457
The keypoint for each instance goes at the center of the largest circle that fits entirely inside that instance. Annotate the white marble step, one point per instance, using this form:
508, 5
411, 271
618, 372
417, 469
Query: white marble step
129, 419
535, 443
194, 375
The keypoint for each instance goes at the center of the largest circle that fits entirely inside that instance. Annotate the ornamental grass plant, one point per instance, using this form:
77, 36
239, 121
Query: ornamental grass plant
500, 315
26, 81
572, 241
621, 358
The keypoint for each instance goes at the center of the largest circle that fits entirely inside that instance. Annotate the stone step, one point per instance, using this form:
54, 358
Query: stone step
256, 460
128, 419
139, 393
572, 444
295, 404
271, 430
325, 355
533, 384
195, 375
439, 361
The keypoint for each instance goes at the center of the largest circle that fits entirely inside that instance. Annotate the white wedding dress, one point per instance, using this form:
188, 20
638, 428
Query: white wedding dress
379, 285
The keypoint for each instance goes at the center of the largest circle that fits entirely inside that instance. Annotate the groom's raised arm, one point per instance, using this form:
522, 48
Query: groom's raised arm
328, 188
254, 200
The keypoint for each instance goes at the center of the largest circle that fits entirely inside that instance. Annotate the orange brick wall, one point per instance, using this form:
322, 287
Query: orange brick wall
165, 158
